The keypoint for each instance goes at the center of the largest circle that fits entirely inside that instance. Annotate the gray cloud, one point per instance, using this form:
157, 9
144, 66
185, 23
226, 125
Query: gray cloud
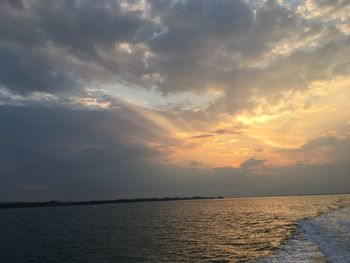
23, 70
71, 151
195, 45
251, 163
329, 141
52, 150
52, 46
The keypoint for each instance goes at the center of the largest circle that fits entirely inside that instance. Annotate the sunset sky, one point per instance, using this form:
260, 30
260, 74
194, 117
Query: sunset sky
122, 99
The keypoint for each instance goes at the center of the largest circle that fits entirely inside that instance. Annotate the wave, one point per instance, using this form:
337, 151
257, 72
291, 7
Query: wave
331, 232
324, 238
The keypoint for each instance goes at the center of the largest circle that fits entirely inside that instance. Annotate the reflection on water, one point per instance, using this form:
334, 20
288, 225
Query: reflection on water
228, 230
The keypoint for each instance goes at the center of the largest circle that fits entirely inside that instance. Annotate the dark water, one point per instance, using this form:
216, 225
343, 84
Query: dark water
272, 229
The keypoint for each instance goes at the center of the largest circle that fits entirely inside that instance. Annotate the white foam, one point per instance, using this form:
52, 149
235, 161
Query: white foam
297, 249
331, 232
325, 238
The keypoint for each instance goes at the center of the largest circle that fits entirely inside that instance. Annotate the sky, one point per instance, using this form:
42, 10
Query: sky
121, 99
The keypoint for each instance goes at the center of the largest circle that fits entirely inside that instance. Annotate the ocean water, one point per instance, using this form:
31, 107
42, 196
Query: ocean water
271, 229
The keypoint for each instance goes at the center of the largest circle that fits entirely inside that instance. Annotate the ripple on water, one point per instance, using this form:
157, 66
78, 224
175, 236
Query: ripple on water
228, 230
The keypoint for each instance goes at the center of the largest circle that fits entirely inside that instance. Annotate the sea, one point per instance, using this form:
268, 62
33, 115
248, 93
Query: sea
259, 229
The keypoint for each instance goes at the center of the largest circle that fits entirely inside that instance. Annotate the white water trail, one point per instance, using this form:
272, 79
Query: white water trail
331, 232
324, 238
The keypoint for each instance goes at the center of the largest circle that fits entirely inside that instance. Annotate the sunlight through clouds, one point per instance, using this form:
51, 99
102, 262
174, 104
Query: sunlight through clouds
174, 87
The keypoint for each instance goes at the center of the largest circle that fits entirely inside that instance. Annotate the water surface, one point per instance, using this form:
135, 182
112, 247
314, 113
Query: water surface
272, 229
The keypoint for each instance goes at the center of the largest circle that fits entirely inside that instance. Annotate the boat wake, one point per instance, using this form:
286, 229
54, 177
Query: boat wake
331, 232
325, 238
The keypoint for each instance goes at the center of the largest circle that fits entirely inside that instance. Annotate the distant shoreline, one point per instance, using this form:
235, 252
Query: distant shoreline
8, 205
55, 203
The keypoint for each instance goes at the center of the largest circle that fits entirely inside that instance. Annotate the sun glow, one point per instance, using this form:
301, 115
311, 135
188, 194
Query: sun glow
265, 131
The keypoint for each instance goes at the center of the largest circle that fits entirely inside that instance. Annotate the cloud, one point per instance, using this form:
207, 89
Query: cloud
171, 46
54, 46
251, 164
195, 163
72, 151
320, 142
15, 3
93, 154
23, 71
34, 187
325, 149
235, 130
201, 136
226, 170
145, 97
